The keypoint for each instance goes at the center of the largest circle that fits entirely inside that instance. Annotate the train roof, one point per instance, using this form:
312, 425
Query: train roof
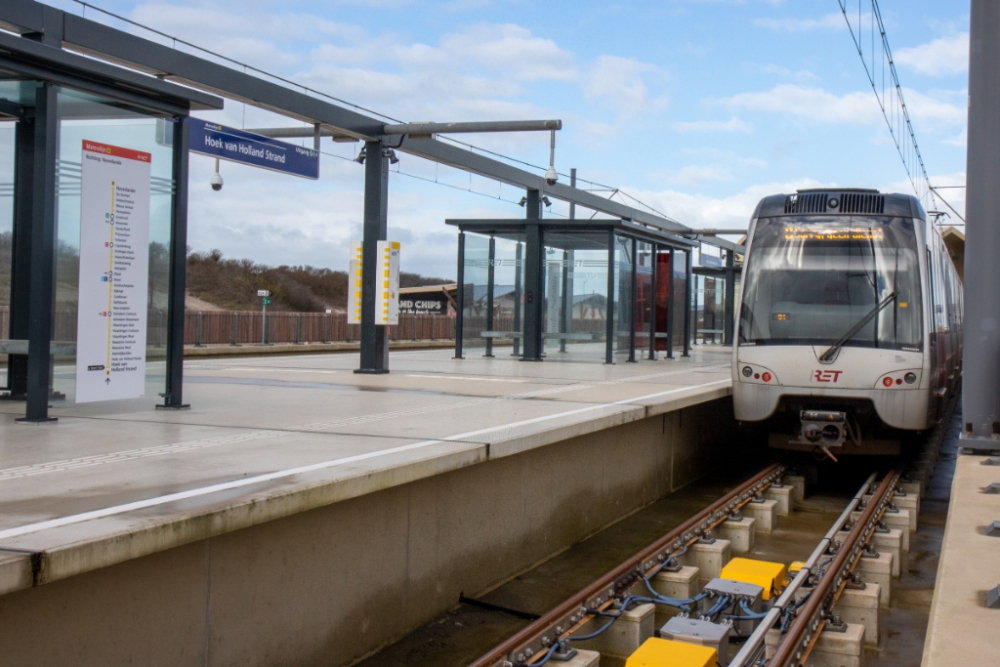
840, 201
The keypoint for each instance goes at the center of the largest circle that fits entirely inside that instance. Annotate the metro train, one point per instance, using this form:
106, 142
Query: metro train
849, 322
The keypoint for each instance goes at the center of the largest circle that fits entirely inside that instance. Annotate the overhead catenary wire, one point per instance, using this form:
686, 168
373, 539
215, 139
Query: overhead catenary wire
896, 115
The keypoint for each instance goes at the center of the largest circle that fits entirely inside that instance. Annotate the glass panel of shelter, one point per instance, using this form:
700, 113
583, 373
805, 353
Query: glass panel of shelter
576, 287
85, 116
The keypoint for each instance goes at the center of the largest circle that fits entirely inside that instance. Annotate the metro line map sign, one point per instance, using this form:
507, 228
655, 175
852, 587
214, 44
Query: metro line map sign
114, 273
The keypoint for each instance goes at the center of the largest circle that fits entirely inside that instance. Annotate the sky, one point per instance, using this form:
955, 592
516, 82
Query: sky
698, 108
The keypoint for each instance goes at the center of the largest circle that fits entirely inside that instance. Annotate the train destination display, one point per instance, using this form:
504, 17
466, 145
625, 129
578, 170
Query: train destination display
114, 273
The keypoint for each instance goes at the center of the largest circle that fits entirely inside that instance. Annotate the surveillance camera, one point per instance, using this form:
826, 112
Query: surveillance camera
216, 181
551, 177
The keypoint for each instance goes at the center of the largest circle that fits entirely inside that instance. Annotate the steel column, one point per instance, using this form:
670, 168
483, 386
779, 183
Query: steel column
688, 292
173, 394
460, 297
566, 301
534, 289
654, 262
981, 363
609, 352
518, 267
727, 338
670, 306
374, 338
20, 270
633, 307
41, 288
489, 295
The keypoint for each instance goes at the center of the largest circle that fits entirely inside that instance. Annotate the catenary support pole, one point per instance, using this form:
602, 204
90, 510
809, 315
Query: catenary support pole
981, 363
43, 244
173, 394
374, 338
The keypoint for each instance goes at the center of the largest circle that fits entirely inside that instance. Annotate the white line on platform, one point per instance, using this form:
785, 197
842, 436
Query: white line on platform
290, 472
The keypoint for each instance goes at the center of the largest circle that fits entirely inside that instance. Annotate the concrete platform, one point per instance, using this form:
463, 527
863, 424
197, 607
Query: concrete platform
962, 629
96, 506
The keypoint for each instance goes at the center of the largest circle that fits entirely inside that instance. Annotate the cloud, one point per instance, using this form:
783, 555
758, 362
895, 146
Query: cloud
800, 75
961, 139
812, 103
732, 212
732, 125
932, 109
833, 20
693, 174
943, 56
621, 80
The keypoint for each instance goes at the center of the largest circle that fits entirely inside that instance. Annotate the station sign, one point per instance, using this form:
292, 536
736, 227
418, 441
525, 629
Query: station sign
710, 262
263, 292
228, 143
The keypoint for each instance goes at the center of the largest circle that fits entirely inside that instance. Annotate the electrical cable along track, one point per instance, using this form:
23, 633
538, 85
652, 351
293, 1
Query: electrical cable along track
782, 629
742, 612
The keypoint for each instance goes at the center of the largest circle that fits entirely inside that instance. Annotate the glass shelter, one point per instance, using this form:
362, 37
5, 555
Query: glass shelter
599, 290
55, 109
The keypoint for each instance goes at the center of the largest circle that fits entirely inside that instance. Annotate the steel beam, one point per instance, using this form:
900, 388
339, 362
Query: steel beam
374, 337
981, 363
41, 287
427, 129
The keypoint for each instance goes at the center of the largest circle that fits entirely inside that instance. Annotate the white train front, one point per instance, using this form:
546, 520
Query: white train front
849, 327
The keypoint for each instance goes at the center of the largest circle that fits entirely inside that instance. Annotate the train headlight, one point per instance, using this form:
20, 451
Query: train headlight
747, 371
887, 381
910, 378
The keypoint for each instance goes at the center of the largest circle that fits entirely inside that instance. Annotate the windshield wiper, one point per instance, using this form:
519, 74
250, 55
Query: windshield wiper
828, 355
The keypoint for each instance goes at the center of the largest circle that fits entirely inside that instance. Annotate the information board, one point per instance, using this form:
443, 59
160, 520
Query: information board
228, 143
354, 284
114, 273
387, 296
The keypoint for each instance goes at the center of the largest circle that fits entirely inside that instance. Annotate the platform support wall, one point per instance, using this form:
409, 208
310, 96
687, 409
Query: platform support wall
981, 363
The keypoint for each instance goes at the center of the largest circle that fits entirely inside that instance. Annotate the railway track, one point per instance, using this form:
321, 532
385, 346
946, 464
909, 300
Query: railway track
785, 630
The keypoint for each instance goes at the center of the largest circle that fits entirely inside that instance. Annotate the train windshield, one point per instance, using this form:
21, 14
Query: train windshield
814, 280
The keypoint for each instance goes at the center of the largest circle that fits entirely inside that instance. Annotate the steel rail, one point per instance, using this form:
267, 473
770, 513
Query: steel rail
809, 622
753, 647
532, 642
